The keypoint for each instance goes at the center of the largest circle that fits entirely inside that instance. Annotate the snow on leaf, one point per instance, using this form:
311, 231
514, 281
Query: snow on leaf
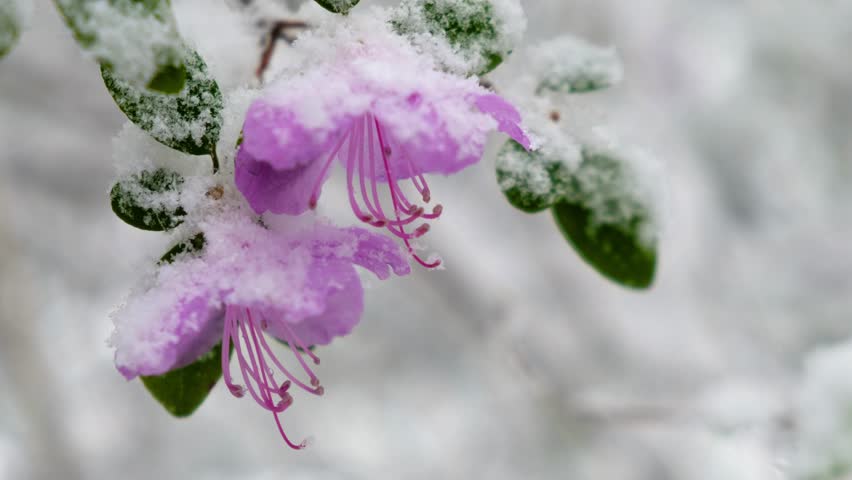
189, 246
148, 200
338, 6
470, 37
568, 64
189, 121
136, 39
608, 221
531, 181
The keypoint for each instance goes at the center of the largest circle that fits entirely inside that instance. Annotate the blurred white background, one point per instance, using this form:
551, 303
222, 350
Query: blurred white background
518, 361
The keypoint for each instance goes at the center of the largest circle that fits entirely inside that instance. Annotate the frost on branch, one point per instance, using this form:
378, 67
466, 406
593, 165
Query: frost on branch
137, 40
468, 37
189, 121
568, 64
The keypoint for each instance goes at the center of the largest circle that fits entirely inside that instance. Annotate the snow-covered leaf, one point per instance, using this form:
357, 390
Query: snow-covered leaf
189, 121
182, 391
148, 200
136, 39
531, 181
481, 32
338, 6
194, 244
571, 65
610, 228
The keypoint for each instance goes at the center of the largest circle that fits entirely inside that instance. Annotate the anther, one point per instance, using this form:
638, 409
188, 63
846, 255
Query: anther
315, 382
439, 209
421, 230
237, 390
427, 195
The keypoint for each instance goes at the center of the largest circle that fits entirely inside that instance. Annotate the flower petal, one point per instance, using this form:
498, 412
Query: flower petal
337, 287
275, 135
162, 330
508, 118
379, 254
277, 191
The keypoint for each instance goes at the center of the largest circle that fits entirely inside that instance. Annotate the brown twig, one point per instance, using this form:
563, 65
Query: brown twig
281, 29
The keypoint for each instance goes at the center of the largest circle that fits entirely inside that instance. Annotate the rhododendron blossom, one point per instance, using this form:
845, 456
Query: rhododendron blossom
387, 115
298, 286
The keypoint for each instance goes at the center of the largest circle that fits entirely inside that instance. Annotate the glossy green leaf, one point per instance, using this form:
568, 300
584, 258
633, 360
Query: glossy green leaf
338, 6
10, 25
531, 181
189, 121
136, 39
470, 26
140, 200
182, 391
191, 245
609, 227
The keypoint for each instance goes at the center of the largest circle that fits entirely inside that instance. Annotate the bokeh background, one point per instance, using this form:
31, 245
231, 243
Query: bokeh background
517, 361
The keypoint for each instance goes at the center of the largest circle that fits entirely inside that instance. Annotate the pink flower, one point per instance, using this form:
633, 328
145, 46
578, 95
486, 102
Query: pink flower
300, 287
388, 117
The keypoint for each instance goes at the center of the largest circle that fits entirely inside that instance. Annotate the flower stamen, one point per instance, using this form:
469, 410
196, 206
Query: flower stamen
256, 359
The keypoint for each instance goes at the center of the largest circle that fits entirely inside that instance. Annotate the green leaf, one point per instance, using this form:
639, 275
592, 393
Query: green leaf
571, 65
338, 6
191, 245
140, 200
531, 181
609, 226
182, 391
10, 25
136, 39
469, 26
189, 121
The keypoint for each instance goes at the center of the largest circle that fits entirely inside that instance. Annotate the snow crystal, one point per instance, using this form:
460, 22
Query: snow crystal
569, 64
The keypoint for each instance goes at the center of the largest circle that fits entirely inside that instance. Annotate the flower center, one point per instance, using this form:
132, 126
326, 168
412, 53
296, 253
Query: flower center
257, 360
366, 154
